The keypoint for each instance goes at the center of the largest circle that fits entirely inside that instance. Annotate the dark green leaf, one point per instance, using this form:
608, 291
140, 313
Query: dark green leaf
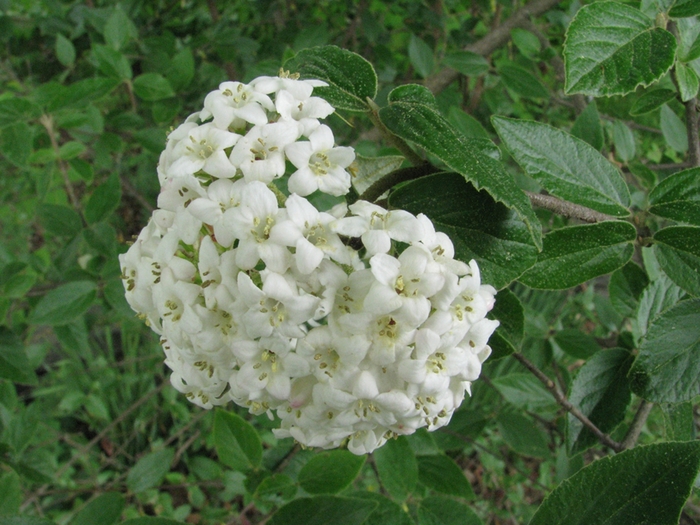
688, 82
659, 295
576, 343
16, 143
119, 29
677, 248
412, 93
623, 138
397, 468
523, 390
467, 125
350, 77
330, 472
421, 56
71, 149
24, 520
104, 200
587, 126
651, 100
439, 510
509, 311
181, 71
667, 369
149, 470
467, 63
678, 197
63, 304
479, 227
103, 238
694, 51
237, 443
426, 128
673, 129
522, 435
111, 62
17, 109
81, 93
500, 347
276, 489
576, 254
371, 169
14, 364
151, 520
647, 484
442, 474
526, 42
104, 509
387, 511
10, 494
601, 391
152, 86
679, 421
65, 50
522, 82
685, 9
612, 48
324, 510
564, 165
59, 220
625, 288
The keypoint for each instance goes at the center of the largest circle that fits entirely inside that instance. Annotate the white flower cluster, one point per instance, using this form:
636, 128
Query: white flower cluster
263, 301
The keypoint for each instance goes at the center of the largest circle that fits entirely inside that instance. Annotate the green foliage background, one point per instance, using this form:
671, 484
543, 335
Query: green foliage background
91, 431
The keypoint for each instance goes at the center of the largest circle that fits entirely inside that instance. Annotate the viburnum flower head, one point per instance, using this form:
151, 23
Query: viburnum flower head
263, 299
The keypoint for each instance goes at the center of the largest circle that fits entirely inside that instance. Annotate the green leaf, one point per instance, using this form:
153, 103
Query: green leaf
661, 294
440, 510
152, 86
467, 125
10, 494
612, 48
65, 50
467, 63
421, 56
59, 220
181, 71
693, 52
104, 509
111, 62
679, 421
71, 150
330, 472
387, 511
522, 435
576, 343
81, 93
526, 42
16, 143
323, 510
623, 138
397, 467
425, 127
149, 470
509, 311
651, 100
685, 9
24, 520
237, 443
442, 474
63, 304
351, 78
104, 200
678, 197
647, 484
14, 364
587, 127
677, 248
151, 520
522, 82
564, 165
371, 169
688, 82
576, 254
673, 129
119, 29
601, 391
483, 230
625, 288
276, 489
667, 369
16, 109
523, 390
412, 93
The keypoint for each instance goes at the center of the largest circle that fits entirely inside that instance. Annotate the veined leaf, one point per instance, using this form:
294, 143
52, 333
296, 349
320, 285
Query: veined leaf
652, 100
678, 197
677, 248
330, 472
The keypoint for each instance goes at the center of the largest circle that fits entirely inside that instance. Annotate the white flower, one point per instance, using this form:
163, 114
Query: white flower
222, 197
234, 104
204, 149
260, 154
320, 165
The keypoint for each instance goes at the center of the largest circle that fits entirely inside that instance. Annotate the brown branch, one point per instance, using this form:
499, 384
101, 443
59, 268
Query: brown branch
637, 425
691, 124
47, 122
384, 184
567, 209
561, 399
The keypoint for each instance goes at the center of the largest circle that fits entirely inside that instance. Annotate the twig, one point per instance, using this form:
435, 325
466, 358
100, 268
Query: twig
637, 425
567, 209
136, 194
395, 141
384, 184
47, 122
561, 399
691, 125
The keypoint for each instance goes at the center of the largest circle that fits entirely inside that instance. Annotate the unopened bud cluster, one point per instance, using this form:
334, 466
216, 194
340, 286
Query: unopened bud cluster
263, 300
